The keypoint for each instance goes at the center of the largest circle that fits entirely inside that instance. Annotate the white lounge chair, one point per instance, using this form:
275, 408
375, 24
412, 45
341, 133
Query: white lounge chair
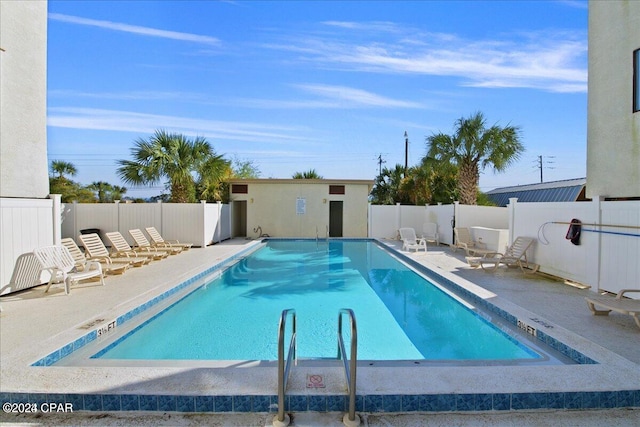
621, 305
108, 267
463, 240
410, 241
120, 247
157, 240
143, 244
430, 232
26, 274
96, 250
58, 261
515, 255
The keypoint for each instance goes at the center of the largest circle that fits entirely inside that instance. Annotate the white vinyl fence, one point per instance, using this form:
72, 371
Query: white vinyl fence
385, 220
25, 224
199, 223
607, 258
608, 255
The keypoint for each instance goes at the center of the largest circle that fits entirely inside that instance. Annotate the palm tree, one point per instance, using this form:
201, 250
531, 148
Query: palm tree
213, 174
387, 189
472, 148
101, 188
167, 155
441, 180
63, 168
117, 192
310, 174
106, 192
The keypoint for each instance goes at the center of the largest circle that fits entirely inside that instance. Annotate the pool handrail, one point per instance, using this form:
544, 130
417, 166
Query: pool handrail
350, 418
284, 368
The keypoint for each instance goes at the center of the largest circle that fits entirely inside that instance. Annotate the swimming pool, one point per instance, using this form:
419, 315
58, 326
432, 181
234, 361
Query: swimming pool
401, 315
242, 386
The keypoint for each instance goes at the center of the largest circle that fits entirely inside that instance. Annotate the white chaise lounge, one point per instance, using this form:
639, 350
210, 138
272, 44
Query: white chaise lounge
619, 304
58, 261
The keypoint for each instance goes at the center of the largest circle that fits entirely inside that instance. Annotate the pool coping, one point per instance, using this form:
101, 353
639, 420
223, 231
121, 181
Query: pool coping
610, 383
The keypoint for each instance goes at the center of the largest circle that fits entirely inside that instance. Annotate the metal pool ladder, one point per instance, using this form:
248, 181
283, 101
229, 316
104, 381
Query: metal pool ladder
282, 419
350, 419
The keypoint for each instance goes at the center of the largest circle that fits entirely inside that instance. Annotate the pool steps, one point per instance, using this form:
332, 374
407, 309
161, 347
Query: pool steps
350, 419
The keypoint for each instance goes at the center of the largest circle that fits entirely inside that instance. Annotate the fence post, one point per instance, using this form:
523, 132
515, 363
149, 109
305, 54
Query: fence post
597, 253
159, 204
57, 218
76, 232
398, 218
369, 219
512, 218
456, 220
117, 203
218, 228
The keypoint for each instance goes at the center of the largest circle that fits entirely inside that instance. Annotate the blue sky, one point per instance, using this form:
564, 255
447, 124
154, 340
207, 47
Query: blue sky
322, 85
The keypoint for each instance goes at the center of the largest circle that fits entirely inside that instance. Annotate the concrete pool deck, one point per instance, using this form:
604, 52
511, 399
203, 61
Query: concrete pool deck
33, 324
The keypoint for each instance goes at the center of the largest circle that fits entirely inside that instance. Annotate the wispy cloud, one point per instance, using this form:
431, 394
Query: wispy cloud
349, 97
331, 97
326, 96
127, 121
135, 29
131, 96
550, 61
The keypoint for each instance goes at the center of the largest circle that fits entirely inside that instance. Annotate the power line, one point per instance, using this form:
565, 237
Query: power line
541, 163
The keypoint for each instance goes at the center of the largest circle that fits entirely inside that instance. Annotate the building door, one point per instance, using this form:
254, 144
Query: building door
335, 218
240, 218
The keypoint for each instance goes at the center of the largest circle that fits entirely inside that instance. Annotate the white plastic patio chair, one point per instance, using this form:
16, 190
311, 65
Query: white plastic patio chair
466, 242
60, 264
430, 232
143, 244
120, 247
80, 259
515, 255
410, 241
157, 240
96, 250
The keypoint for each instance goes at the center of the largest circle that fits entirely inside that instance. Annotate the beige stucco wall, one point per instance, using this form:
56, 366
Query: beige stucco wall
613, 141
23, 99
271, 204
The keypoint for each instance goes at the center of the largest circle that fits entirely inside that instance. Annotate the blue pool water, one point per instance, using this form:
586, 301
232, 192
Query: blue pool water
400, 315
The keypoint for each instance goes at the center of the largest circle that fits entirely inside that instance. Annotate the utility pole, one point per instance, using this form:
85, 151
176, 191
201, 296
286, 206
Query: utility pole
406, 153
540, 165
380, 162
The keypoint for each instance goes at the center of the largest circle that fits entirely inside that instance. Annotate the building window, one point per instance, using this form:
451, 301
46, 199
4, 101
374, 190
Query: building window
336, 189
239, 188
636, 80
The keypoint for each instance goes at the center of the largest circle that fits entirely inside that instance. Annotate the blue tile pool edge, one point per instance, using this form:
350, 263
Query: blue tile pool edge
328, 403
40, 402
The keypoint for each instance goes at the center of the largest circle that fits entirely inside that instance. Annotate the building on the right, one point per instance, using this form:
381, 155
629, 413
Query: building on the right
613, 130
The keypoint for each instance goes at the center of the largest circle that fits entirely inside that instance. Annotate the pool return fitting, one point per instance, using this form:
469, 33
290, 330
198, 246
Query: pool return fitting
350, 419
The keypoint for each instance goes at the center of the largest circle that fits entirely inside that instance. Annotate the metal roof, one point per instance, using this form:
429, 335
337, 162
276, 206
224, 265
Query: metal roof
556, 191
